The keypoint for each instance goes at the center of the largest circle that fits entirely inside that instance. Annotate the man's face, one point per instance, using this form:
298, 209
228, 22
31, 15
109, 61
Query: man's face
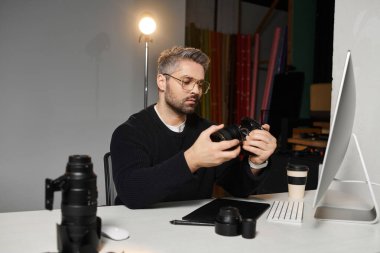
178, 99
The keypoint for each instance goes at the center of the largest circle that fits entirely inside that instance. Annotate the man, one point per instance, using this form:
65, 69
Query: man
164, 152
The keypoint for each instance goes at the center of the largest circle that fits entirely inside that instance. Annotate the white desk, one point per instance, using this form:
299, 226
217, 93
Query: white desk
151, 231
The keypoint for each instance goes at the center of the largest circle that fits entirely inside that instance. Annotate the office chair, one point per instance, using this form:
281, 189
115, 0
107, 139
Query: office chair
110, 187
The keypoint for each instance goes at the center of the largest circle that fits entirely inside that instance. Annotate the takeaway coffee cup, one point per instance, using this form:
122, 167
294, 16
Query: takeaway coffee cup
297, 175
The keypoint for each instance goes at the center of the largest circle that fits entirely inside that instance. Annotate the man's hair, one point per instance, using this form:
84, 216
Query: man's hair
170, 58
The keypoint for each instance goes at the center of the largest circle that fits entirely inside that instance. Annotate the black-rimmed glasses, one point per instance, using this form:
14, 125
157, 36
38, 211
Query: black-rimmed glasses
188, 83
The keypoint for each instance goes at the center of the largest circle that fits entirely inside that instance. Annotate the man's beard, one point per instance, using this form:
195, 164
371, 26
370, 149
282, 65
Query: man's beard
179, 106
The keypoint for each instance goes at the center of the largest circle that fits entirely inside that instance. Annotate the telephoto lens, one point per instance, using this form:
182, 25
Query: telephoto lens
80, 229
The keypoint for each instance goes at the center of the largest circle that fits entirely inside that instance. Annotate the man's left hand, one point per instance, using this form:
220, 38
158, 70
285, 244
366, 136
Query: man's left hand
260, 143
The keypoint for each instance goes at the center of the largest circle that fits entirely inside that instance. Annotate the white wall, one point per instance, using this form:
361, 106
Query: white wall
356, 28
71, 71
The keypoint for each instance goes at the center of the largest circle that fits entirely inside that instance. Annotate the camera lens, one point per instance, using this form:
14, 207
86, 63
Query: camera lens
80, 193
226, 133
236, 132
79, 163
80, 228
79, 198
228, 221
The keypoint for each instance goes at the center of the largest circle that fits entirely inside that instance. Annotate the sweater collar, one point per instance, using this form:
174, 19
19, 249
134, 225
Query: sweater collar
178, 128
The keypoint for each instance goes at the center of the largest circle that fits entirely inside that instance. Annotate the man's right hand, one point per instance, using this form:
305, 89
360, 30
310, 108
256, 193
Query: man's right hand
206, 153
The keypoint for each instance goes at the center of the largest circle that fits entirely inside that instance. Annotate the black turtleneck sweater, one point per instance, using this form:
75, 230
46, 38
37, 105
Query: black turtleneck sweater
149, 166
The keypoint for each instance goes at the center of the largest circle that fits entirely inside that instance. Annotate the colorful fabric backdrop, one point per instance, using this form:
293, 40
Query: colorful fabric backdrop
233, 73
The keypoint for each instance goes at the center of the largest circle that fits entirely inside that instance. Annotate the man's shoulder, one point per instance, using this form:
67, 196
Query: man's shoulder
140, 120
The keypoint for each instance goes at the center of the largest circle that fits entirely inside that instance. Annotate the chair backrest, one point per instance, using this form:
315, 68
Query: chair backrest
110, 186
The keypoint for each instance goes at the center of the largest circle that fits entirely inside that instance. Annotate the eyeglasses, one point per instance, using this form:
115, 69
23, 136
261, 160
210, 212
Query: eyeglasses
188, 83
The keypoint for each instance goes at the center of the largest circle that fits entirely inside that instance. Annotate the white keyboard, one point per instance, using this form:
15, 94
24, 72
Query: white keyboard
286, 212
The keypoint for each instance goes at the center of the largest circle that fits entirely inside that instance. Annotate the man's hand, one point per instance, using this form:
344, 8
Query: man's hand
261, 143
206, 153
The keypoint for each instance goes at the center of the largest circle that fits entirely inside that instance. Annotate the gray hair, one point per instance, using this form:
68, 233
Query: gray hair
170, 58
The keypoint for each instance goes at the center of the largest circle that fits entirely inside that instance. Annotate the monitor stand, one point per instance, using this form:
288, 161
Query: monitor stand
347, 214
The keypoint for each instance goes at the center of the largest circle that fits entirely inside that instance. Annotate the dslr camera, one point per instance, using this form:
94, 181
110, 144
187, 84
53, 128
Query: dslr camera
236, 131
80, 229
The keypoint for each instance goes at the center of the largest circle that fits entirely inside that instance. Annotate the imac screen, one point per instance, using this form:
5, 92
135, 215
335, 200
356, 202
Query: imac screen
340, 130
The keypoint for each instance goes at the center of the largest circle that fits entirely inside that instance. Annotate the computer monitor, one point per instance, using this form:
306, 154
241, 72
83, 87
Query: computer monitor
342, 137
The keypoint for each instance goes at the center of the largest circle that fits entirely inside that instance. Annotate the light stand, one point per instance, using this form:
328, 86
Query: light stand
147, 26
146, 39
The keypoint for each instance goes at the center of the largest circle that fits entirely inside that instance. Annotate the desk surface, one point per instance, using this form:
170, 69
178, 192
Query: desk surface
308, 142
34, 231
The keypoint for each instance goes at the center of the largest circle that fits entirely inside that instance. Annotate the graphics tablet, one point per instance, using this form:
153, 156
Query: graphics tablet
208, 212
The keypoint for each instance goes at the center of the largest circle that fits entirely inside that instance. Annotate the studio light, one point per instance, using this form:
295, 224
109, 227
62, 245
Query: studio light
147, 26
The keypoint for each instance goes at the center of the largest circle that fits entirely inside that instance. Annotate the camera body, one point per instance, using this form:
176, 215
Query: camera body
80, 229
236, 131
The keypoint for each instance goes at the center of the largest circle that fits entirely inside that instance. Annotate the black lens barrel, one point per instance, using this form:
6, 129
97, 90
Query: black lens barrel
80, 228
236, 132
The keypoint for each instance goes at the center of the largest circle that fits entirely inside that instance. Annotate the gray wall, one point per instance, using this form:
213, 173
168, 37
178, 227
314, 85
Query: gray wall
356, 28
70, 72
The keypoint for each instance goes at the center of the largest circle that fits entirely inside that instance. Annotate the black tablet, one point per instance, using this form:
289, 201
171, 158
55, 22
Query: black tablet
208, 212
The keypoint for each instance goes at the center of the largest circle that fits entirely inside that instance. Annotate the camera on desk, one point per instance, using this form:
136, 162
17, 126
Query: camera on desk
80, 229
